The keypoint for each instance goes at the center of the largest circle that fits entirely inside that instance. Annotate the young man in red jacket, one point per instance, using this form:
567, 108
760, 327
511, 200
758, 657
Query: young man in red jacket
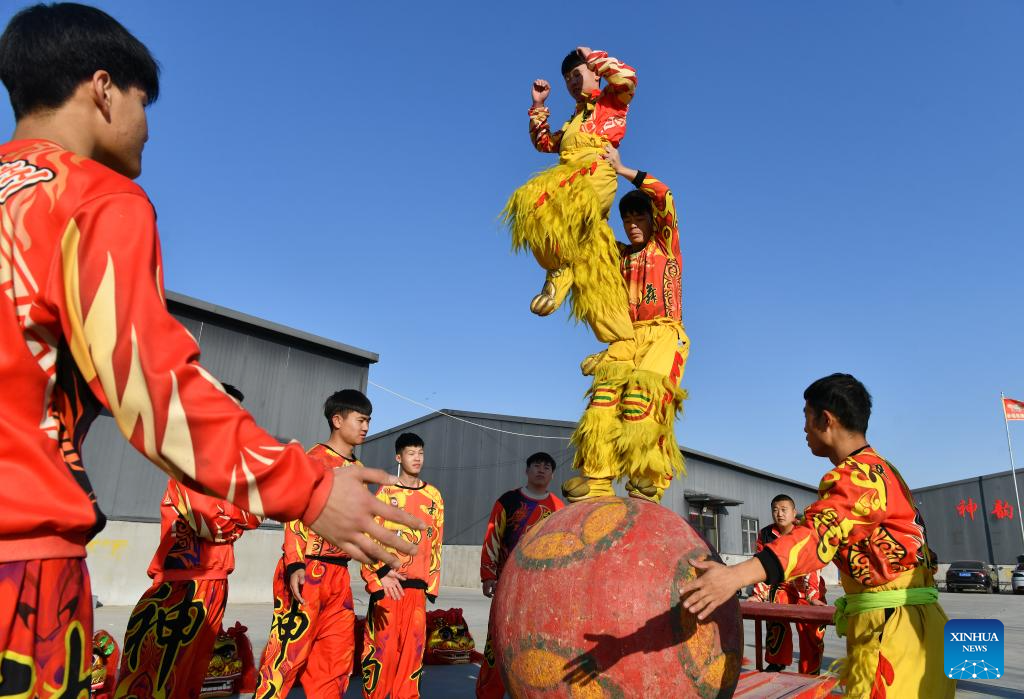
514, 513
84, 327
396, 623
312, 635
805, 589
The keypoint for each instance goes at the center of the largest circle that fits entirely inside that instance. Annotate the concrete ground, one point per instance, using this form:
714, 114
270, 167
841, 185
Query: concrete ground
457, 682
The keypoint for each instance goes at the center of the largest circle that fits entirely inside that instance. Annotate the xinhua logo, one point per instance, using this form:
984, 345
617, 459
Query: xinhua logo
974, 649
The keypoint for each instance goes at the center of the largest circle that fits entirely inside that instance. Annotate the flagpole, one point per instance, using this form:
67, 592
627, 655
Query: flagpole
1013, 469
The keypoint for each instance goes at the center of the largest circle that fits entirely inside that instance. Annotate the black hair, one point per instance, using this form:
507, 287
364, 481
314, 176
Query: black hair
346, 401
571, 61
233, 392
782, 497
407, 439
541, 457
636, 202
843, 396
47, 51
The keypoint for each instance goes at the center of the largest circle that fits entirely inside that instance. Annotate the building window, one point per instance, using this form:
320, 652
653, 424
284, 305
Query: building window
750, 530
704, 518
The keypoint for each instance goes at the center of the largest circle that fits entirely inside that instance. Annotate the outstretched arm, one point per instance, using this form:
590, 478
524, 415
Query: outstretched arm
666, 224
716, 584
143, 367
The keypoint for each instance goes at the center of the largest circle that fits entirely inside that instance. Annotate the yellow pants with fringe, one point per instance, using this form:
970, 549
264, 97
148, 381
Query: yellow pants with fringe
628, 428
897, 652
561, 216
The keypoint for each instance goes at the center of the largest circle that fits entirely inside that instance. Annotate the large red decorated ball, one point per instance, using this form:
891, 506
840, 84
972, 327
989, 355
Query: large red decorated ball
588, 606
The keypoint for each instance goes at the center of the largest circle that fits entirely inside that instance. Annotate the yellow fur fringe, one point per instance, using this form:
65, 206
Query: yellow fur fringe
638, 442
571, 224
597, 432
599, 294
565, 218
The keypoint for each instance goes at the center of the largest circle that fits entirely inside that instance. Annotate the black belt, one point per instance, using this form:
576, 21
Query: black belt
335, 560
414, 584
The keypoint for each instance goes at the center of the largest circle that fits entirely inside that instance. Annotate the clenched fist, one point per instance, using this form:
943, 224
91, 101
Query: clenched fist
541, 90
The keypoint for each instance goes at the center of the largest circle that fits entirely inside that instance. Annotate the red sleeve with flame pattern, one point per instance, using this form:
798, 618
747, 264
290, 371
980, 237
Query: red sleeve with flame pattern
851, 503
540, 131
211, 518
296, 534
666, 223
434, 576
143, 366
621, 78
815, 588
369, 571
490, 553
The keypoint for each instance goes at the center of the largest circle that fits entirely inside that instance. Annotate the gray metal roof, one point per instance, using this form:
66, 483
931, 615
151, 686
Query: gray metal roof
571, 424
972, 479
188, 302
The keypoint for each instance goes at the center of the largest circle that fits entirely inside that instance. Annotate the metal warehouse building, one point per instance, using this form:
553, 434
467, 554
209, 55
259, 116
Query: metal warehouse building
974, 519
475, 457
285, 374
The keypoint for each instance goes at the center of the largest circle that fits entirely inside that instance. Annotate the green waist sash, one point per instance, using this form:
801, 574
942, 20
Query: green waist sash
848, 605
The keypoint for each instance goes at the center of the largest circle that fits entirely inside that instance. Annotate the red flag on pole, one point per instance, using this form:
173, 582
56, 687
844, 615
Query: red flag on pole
1013, 409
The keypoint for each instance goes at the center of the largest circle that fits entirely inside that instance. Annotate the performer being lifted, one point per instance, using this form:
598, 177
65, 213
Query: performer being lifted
561, 214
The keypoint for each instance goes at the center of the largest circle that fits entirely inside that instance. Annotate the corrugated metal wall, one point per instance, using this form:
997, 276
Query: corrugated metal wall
985, 536
285, 383
755, 491
473, 466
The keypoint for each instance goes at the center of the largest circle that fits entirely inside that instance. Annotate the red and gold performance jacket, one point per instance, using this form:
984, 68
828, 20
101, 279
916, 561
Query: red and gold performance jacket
422, 570
603, 113
84, 326
197, 535
654, 273
301, 542
864, 521
513, 515
803, 588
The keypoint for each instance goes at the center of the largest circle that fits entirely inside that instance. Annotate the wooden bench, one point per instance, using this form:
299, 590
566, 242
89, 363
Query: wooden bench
779, 685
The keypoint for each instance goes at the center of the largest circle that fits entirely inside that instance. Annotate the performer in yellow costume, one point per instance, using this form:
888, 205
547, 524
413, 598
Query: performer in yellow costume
866, 522
561, 214
628, 428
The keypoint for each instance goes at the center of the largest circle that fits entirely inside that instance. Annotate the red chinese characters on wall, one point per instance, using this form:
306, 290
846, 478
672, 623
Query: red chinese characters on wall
1003, 510
967, 508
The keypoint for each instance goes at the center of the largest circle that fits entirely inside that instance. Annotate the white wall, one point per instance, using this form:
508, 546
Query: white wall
119, 556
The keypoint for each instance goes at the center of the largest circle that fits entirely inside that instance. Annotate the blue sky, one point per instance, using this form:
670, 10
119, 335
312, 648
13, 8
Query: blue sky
849, 179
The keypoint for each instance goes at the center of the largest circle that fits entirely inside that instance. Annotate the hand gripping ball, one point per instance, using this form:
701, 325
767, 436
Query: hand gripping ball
588, 607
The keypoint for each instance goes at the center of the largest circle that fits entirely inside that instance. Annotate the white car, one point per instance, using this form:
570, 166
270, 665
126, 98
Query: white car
1017, 581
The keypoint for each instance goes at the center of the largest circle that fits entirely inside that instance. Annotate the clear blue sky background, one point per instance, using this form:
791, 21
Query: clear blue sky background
849, 177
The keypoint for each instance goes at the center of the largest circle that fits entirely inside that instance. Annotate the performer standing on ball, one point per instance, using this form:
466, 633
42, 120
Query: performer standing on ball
628, 429
866, 523
806, 589
84, 327
514, 514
